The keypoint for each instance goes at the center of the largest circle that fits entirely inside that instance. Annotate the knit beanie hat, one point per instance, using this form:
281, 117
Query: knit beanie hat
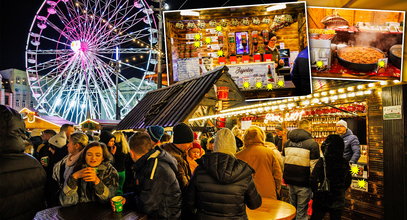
254, 135
155, 132
225, 142
342, 123
182, 134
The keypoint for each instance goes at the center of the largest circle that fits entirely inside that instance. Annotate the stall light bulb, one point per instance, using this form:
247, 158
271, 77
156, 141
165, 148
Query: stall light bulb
350, 88
352, 94
274, 107
303, 97
296, 98
315, 101
335, 97
342, 90
325, 99
284, 101
383, 83
370, 85
309, 96
368, 92
306, 102
331, 92
316, 95
342, 96
396, 81
360, 93
324, 93
360, 87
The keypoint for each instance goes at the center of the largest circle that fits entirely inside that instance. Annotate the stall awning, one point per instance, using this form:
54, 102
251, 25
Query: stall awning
171, 105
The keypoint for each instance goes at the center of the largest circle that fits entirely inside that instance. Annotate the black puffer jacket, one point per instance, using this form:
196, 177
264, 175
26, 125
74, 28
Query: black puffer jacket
157, 192
337, 172
22, 177
221, 187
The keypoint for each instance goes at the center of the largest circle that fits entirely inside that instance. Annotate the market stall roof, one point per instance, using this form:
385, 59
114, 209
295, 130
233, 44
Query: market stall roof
35, 121
171, 105
99, 124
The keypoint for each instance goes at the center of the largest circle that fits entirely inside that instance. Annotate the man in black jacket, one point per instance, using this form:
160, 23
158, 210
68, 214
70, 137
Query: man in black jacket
157, 192
22, 178
301, 154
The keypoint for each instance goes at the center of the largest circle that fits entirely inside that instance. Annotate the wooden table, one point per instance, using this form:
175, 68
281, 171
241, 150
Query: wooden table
272, 209
88, 211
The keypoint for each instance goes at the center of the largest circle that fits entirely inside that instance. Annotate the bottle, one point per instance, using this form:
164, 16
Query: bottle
269, 74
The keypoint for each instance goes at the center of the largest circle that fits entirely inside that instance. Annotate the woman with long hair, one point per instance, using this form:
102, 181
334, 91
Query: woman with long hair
120, 157
93, 178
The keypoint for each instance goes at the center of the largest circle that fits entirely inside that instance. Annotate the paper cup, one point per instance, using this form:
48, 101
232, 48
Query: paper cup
45, 160
117, 203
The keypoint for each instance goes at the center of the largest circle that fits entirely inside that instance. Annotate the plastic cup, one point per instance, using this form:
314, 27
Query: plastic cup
45, 160
117, 203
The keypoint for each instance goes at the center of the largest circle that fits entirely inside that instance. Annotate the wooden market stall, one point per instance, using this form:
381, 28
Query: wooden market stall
373, 112
42, 122
98, 124
197, 41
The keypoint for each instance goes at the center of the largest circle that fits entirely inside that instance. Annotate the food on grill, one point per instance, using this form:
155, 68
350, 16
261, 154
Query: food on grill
397, 52
361, 55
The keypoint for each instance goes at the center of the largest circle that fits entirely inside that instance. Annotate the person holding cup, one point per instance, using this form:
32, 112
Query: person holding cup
93, 178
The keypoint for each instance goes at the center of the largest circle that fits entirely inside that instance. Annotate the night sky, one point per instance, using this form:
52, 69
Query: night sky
16, 17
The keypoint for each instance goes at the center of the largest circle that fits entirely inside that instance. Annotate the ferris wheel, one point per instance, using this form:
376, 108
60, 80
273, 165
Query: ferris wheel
76, 49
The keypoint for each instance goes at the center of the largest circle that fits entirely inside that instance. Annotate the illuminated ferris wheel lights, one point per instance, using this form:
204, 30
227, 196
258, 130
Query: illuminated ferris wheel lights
83, 106
58, 102
72, 103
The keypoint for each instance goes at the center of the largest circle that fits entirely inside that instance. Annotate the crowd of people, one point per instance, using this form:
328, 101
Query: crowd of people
182, 176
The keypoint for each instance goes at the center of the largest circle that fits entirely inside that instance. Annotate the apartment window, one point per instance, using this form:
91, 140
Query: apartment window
17, 103
18, 80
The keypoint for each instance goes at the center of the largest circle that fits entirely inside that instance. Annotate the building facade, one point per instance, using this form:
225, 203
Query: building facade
15, 89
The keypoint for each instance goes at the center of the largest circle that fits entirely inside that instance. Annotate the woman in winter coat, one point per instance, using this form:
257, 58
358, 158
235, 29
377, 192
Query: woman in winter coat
93, 178
64, 168
339, 178
268, 175
222, 185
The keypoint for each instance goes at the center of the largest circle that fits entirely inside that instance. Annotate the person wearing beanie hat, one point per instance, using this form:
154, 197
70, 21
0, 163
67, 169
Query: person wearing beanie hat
264, 162
182, 141
155, 132
182, 134
221, 178
22, 178
225, 142
352, 145
194, 153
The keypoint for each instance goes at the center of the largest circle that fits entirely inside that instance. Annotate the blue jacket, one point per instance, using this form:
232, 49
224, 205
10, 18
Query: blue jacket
352, 148
300, 74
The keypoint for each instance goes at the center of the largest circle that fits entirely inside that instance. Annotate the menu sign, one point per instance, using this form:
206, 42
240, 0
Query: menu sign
187, 69
392, 112
254, 76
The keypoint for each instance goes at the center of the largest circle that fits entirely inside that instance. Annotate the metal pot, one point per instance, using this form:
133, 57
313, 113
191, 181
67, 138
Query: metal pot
395, 59
361, 67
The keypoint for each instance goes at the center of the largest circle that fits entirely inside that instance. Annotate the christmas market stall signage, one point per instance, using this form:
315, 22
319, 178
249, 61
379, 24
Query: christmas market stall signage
187, 69
253, 76
392, 112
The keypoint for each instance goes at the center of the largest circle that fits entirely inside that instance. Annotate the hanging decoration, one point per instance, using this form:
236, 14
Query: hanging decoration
245, 21
212, 23
256, 21
266, 20
179, 25
191, 25
234, 22
224, 23
201, 24
281, 21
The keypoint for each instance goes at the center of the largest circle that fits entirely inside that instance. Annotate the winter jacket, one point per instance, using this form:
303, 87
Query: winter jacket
22, 178
184, 172
278, 141
79, 191
157, 192
268, 174
352, 147
300, 73
221, 188
337, 172
277, 154
301, 154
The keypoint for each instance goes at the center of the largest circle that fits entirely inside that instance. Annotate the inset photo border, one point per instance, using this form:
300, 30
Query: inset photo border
356, 44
